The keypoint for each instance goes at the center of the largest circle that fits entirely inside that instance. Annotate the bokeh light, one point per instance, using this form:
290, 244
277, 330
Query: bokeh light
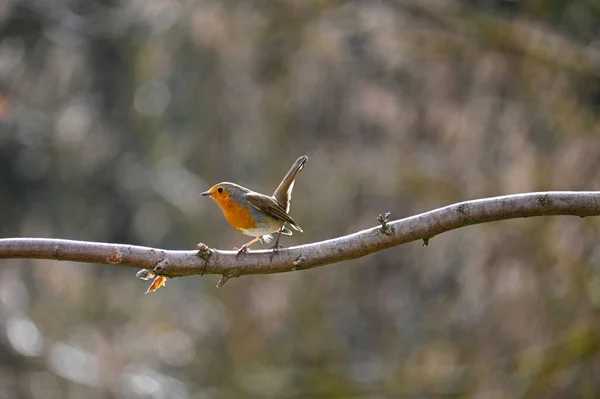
114, 116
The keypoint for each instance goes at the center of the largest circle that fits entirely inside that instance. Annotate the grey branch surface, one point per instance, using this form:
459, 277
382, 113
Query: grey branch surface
419, 227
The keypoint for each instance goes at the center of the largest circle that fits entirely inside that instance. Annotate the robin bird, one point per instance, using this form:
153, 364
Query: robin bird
256, 214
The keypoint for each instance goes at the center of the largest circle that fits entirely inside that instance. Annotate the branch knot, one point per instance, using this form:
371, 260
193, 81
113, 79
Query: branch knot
299, 262
545, 200
204, 252
383, 219
463, 208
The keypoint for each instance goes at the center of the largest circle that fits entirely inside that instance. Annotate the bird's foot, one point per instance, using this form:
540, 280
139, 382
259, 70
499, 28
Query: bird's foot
275, 249
241, 250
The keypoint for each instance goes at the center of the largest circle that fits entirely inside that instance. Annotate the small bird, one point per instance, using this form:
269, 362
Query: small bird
256, 214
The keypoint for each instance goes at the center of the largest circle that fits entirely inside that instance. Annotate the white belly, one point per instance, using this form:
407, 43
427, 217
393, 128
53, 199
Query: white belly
261, 231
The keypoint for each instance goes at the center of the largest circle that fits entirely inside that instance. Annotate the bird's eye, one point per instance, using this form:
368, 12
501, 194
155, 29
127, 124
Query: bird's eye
220, 190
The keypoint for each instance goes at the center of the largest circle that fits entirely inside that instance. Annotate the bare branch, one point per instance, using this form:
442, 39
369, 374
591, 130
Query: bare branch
420, 227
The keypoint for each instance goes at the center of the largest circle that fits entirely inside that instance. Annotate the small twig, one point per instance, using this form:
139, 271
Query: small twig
145, 274
222, 281
383, 219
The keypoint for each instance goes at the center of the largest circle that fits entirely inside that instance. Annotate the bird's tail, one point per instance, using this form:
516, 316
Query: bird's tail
283, 193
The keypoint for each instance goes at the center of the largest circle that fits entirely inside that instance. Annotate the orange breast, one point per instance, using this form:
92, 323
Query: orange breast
238, 216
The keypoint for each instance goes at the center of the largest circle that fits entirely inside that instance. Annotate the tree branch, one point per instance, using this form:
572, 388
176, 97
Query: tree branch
420, 227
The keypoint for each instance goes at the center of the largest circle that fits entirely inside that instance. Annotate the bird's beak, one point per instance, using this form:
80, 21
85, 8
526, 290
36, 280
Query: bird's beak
206, 194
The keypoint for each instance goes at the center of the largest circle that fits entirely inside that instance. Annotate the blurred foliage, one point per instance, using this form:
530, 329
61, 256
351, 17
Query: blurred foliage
115, 115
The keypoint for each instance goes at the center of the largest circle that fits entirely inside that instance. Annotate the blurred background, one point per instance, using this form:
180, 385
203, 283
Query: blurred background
114, 115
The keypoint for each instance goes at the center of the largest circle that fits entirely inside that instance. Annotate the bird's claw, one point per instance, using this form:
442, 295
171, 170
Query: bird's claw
275, 249
241, 250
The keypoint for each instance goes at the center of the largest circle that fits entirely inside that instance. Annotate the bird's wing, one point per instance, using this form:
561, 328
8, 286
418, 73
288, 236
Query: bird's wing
286, 232
269, 206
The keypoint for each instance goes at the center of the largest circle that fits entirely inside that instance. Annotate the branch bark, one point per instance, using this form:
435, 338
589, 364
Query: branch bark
420, 227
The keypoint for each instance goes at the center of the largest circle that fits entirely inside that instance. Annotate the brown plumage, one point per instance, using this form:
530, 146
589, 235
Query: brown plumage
256, 214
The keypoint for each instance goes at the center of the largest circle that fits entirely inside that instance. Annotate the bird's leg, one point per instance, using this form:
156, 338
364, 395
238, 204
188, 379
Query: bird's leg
244, 247
276, 246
